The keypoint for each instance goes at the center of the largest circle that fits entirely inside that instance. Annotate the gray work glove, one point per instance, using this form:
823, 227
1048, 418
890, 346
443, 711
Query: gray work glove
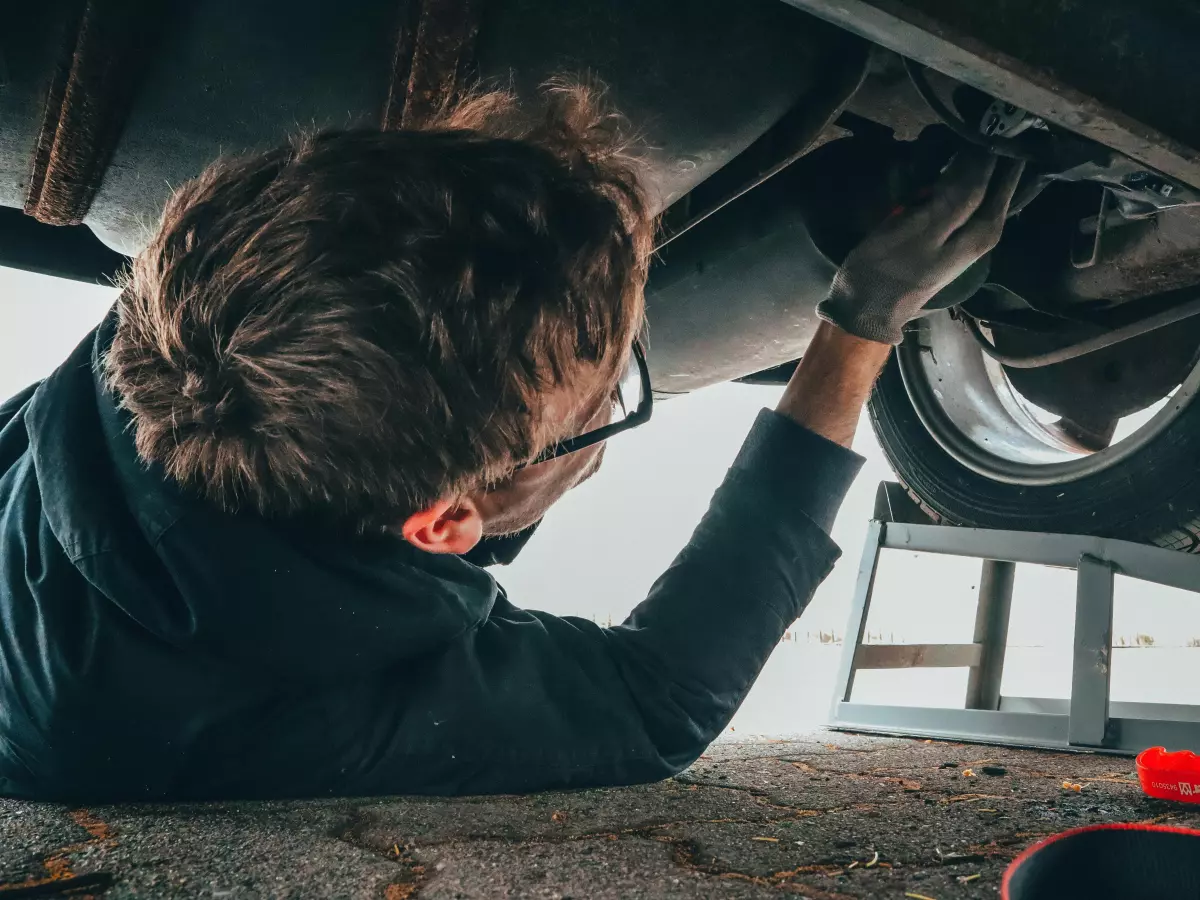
897, 269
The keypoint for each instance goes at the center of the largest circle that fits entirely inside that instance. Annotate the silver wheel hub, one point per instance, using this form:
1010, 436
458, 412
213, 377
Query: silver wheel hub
967, 404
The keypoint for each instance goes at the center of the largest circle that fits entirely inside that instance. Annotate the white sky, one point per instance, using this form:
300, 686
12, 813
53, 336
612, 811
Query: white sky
603, 546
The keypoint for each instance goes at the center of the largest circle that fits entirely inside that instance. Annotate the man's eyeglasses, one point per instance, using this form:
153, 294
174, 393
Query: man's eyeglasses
633, 402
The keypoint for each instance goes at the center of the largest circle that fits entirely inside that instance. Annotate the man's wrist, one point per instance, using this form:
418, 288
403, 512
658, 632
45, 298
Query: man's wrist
855, 324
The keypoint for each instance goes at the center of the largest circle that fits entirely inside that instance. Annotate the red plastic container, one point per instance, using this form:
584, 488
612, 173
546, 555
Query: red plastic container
1170, 776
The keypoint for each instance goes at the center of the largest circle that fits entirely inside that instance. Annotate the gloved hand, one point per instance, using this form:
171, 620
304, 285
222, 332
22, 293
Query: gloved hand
896, 270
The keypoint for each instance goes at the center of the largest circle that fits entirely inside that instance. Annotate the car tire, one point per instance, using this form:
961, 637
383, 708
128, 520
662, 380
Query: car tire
1151, 496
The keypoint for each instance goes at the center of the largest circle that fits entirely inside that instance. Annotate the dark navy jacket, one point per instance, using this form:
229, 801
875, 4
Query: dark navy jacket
153, 647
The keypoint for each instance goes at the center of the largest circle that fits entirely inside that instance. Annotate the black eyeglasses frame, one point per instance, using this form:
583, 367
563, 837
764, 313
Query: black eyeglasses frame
639, 416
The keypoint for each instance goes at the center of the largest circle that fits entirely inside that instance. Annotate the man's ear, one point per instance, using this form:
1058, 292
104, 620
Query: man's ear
449, 526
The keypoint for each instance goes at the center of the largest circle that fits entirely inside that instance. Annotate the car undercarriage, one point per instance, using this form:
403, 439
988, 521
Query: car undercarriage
1051, 387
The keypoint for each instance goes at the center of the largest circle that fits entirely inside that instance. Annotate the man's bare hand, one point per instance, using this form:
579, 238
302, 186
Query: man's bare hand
887, 280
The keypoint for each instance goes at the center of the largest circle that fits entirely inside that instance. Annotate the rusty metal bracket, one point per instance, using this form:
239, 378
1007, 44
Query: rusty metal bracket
434, 59
1115, 71
106, 44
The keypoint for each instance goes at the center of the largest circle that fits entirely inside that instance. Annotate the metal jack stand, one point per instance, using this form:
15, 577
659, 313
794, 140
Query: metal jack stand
1087, 720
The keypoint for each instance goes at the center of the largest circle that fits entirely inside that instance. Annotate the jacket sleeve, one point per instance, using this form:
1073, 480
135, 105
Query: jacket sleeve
529, 701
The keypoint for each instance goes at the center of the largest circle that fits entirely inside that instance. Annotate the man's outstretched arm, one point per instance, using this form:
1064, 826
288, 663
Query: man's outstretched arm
529, 701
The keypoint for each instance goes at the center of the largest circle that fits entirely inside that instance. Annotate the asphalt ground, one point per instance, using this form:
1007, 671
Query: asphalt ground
826, 816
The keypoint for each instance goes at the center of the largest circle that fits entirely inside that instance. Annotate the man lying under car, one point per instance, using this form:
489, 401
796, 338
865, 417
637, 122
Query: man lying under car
239, 526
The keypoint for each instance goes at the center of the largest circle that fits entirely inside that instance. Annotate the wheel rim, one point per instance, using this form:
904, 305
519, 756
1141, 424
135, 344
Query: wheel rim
968, 406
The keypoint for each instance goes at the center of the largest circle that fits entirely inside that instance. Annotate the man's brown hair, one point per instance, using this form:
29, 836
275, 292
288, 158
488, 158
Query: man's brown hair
361, 323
